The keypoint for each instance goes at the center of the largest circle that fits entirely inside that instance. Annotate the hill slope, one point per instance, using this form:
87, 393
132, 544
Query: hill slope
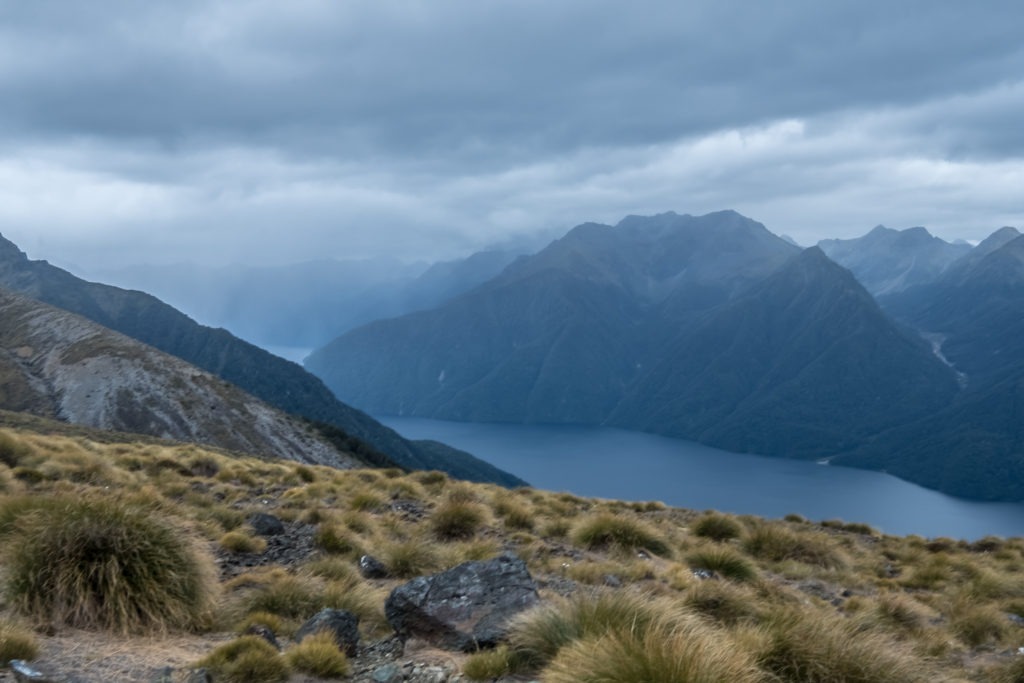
280, 383
57, 364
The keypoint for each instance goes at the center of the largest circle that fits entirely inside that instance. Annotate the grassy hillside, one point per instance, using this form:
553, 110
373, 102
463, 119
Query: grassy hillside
631, 591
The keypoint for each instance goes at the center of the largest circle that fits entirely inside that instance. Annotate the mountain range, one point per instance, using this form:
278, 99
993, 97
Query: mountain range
713, 329
294, 308
280, 383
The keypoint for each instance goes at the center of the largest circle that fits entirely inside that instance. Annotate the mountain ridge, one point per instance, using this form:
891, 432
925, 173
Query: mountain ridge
281, 383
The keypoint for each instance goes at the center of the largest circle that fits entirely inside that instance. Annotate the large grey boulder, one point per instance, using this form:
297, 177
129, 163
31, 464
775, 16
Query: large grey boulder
464, 608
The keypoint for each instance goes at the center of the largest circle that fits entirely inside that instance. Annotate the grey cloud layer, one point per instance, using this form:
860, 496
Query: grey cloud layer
359, 126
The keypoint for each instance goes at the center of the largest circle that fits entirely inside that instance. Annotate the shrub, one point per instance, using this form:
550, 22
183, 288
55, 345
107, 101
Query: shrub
248, 659
93, 563
16, 643
724, 562
665, 654
607, 530
318, 655
717, 527
456, 520
241, 542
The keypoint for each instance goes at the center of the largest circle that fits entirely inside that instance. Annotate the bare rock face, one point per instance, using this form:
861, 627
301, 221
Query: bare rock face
59, 365
466, 607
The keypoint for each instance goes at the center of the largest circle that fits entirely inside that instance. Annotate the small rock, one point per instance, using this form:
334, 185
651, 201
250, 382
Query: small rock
612, 581
263, 632
166, 675
372, 568
464, 608
704, 574
26, 674
1015, 618
266, 525
343, 625
389, 673
199, 676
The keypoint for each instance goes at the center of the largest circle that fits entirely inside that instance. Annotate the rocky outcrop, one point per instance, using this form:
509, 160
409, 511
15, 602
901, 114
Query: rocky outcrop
465, 608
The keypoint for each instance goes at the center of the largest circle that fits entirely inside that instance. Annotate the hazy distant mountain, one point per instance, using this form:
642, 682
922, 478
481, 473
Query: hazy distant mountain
887, 261
976, 308
974, 314
302, 306
59, 365
557, 336
709, 328
282, 384
804, 364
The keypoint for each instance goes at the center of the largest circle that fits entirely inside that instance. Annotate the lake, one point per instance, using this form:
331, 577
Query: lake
612, 463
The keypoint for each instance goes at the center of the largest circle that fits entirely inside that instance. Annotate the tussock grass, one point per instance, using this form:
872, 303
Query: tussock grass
597, 573
242, 542
917, 604
606, 530
265, 619
808, 646
723, 561
318, 655
332, 539
408, 559
666, 653
537, 636
457, 519
724, 602
978, 625
12, 449
248, 659
717, 527
367, 501
104, 564
489, 665
16, 642
776, 543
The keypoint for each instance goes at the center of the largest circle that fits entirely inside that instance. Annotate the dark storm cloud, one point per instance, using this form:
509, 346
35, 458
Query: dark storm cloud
451, 124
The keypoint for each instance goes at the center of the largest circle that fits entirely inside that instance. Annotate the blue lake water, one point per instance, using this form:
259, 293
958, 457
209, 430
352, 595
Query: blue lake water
612, 463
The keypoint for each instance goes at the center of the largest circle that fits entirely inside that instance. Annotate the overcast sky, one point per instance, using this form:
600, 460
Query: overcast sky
270, 132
